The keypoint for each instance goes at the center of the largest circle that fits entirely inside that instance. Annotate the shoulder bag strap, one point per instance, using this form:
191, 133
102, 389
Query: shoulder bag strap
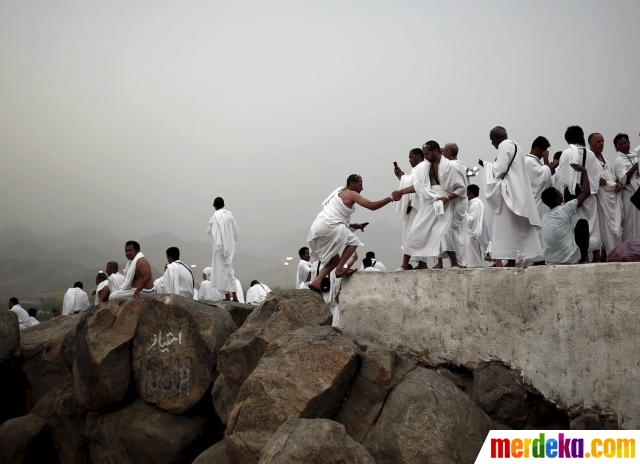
510, 162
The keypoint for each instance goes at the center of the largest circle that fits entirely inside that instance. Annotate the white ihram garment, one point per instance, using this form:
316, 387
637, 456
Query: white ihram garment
609, 207
430, 233
631, 214
515, 215
206, 292
239, 292
115, 282
457, 230
377, 265
257, 294
330, 231
101, 285
126, 292
330, 297
477, 235
413, 200
224, 234
567, 177
74, 300
304, 267
177, 279
24, 320
540, 178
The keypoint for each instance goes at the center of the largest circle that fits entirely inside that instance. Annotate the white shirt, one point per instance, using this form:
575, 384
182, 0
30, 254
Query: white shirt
559, 244
74, 300
34, 321
304, 268
177, 279
376, 264
257, 294
24, 320
371, 269
115, 282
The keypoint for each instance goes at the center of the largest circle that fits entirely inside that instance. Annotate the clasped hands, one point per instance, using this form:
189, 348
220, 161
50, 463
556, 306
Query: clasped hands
396, 195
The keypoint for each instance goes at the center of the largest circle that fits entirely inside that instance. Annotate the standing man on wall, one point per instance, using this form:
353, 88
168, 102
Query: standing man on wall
224, 234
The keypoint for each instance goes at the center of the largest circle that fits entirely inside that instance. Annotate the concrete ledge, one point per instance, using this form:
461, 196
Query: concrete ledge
571, 330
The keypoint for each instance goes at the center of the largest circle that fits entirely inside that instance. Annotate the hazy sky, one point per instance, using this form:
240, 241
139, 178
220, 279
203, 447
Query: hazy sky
133, 116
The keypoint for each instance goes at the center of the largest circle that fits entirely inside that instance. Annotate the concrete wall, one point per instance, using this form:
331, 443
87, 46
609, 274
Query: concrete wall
573, 331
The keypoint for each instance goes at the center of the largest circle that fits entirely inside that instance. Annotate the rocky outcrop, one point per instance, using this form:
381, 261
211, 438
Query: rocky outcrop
44, 352
25, 439
239, 312
423, 419
500, 392
281, 314
102, 361
305, 373
302, 441
175, 350
217, 454
12, 383
144, 434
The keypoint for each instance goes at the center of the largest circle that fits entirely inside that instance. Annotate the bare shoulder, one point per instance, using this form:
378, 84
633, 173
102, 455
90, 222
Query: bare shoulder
143, 262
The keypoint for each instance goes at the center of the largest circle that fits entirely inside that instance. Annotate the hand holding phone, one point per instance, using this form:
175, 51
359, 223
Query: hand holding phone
395, 165
481, 163
363, 225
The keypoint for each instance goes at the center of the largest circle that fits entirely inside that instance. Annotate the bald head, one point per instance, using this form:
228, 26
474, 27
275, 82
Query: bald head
450, 151
497, 135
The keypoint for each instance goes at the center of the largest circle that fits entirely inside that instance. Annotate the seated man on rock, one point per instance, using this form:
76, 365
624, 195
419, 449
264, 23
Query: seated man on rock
368, 265
24, 320
561, 244
177, 278
75, 300
138, 282
257, 293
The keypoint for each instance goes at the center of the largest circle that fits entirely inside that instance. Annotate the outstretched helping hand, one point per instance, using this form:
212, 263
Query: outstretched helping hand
396, 195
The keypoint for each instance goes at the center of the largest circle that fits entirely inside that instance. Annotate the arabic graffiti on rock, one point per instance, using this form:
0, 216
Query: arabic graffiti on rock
168, 367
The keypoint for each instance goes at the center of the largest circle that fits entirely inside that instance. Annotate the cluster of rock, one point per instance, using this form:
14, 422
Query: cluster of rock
172, 380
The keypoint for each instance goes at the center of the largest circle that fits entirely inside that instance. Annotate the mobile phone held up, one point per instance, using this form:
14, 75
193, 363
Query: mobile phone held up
395, 165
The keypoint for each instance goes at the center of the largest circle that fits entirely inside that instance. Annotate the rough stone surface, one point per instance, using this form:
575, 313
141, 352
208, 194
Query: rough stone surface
12, 381
175, 350
217, 454
238, 311
423, 420
9, 336
576, 344
25, 440
224, 393
586, 422
102, 362
43, 351
499, 392
303, 441
144, 434
67, 423
276, 316
304, 374
381, 370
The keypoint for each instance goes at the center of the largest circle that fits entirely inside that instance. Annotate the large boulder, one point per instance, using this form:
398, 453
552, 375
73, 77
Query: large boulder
500, 392
381, 370
305, 373
26, 439
102, 361
43, 352
175, 350
12, 383
239, 311
67, 423
302, 441
217, 454
287, 311
426, 418
141, 433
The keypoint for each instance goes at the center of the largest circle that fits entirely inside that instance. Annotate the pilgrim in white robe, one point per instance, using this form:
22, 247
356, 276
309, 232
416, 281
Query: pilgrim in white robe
177, 279
330, 297
207, 292
224, 234
515, 216
609, 207
75, 300
257, 294
304, 268
460, 205
631, 214
477, 235
430, 233
126, 292
24, 320
377, 265
115, 282
34, 321
239, 290
101, 286
402, 206
330, 232
567, 177
540, 179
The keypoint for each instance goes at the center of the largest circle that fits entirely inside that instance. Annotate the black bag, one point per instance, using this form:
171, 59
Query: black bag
568, 196
325, 285
635, 199
510, 162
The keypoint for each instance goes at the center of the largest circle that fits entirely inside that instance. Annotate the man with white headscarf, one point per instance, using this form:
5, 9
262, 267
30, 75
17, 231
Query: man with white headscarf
224, 234
410, 204
332, 230
206, 292
509, 195
568, 181
75, 300
626, 165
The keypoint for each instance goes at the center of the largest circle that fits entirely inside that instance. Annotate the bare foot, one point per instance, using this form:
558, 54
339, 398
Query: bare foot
421, 265
347, 272
315, 289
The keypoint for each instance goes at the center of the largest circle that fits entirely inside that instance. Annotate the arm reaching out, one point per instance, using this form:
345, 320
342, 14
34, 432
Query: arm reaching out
350, 197
586, 190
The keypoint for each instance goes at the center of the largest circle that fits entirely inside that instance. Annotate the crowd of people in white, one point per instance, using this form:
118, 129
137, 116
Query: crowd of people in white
575, 208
